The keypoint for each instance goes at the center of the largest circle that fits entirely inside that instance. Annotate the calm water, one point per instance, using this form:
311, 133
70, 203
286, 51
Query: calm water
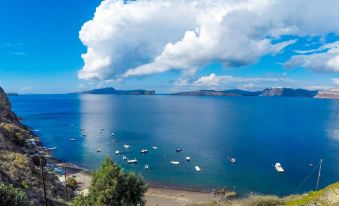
258, 131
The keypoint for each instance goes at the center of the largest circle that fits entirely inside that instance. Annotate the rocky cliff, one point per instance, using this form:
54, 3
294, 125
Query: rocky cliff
19, 158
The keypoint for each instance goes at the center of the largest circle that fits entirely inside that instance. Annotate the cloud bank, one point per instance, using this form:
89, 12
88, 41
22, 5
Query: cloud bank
146, 37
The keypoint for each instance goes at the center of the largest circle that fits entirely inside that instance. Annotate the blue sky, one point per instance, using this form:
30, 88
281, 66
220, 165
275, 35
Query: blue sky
169, 46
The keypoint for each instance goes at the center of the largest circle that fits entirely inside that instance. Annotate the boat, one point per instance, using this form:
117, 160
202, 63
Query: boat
99, 150
232, 160
188, 159
72, 139
155, 147
112, 134
175, 162
144, 151
84, 135
124, 158
178, 150
36, 130
52, 148
117, 152
132, 161
102, 129
279, 168
127, 146
146, 167
197, 168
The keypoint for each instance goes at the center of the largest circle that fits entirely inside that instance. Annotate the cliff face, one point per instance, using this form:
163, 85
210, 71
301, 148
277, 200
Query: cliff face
18, 158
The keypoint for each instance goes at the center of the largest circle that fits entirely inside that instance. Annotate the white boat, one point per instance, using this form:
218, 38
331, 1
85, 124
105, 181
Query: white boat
52, 148
127, 146
197, 168
175, 162
36, 130
144, 151
117, 152
124, 158
279, 168
72, 139
146, 167
132, 161
178, 150
232, 160
155, 148
99, 150
188, 159
112, 134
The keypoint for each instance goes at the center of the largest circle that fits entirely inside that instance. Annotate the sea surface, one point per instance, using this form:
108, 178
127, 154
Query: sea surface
257, 131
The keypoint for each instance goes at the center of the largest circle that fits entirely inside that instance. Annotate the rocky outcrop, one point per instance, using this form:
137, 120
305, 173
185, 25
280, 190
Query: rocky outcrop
16, 158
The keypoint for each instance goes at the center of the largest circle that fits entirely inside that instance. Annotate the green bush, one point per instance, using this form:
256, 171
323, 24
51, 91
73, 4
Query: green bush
11, 196
72, 183
112, 186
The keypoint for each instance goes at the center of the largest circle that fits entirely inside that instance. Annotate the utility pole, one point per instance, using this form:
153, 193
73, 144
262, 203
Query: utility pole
65, 182
43, 181
319, 173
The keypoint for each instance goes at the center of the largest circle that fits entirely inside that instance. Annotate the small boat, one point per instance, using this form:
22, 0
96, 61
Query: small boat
82, 129
188, 159
72, 139
36, 130
102, 129
279, 168
178, 150
197, 168
127, 146
146, 167
155, 148
84, 135
132, 161
124, 158
232, 160
117, 152
175, 162
99, 150
144, 151
52, 148
112, 134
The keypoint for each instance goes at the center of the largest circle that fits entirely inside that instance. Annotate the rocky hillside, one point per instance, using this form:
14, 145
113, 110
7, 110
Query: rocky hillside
111, 90
19, 158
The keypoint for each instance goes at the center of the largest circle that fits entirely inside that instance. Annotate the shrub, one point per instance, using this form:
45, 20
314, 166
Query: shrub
71, 182
11, 196
112, 186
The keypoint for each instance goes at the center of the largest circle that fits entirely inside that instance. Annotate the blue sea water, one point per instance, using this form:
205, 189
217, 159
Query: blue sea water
257, 131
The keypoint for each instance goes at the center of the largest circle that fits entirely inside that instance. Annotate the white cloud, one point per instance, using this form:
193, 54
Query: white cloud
150, 36
325, 58
335, 81
27, 88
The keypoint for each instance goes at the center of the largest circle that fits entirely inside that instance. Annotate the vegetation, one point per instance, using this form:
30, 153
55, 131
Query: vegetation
72, 183
112, 186
11, 196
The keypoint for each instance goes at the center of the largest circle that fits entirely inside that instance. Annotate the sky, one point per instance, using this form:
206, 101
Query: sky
168, 45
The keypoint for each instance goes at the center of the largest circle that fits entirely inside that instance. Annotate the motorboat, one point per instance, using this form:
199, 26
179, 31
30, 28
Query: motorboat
188, 159
146, 167
72, 139
132, 161
127, 146
117, 152
197, 168
279, 168
178, 150
98, 150
155, 147
175, 162
124, 158
144, 151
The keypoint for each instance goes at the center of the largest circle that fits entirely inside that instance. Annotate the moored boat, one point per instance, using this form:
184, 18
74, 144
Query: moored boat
144, 151
188, 159
279, 168
197, 168
132, 161
175, 162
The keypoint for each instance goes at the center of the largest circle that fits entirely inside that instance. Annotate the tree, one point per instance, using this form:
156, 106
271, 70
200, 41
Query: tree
112, 186
12, 196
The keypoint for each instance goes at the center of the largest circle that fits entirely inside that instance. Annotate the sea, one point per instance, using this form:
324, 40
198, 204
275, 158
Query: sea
257, 131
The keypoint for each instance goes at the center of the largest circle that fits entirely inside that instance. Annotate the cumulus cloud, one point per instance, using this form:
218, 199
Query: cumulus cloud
228, 81
325, 58
145, 37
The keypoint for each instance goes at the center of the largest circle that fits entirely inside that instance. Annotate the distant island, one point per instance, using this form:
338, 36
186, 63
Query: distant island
111, 90
270, 92
12, 94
